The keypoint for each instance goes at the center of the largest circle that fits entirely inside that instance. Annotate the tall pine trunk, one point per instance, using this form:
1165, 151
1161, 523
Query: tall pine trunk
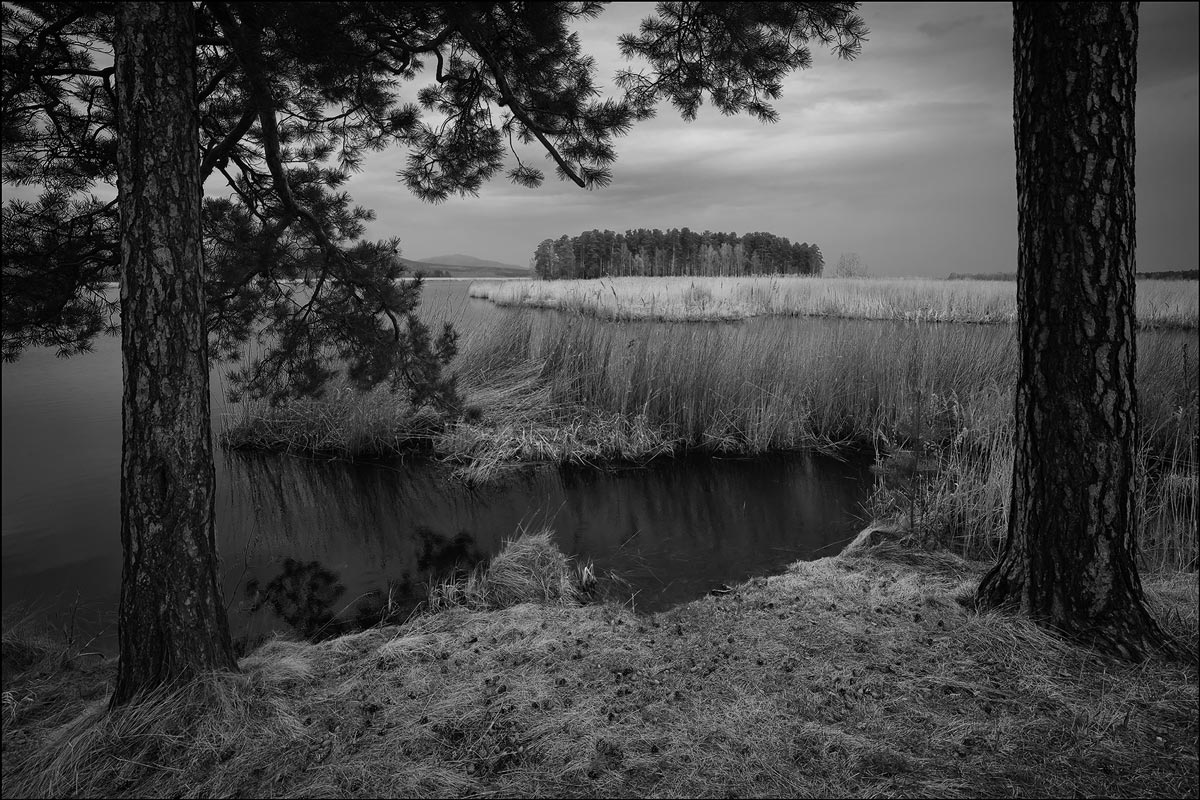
1069, 558
172, 621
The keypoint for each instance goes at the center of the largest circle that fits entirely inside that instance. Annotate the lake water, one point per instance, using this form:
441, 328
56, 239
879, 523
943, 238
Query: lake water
302, 540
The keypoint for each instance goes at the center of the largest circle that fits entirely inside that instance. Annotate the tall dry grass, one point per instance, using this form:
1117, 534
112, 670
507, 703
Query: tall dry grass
777, 384
1160, 304
574, 388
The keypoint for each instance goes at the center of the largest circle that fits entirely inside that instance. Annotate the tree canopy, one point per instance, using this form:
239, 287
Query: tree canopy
593, 254
282, 102
291, 97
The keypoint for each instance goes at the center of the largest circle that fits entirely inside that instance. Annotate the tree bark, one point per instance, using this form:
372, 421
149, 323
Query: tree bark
1069, 559
172, 622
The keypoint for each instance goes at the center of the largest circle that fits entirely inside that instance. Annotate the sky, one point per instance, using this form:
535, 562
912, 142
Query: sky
904, 155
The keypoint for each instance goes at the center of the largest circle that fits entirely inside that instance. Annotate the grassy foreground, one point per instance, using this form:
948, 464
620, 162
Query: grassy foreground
858, 675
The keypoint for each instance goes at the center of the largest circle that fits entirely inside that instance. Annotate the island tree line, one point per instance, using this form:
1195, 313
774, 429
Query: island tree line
678, 251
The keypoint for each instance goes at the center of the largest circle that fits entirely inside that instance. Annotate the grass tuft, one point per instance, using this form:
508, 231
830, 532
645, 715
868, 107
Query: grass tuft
530, 568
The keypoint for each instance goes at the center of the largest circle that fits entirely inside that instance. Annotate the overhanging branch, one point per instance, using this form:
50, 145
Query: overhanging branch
518, 110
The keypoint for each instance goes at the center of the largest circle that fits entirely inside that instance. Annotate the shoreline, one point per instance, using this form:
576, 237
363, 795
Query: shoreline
850, 675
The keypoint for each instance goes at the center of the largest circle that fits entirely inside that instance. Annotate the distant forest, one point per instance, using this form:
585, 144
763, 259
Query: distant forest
595, 254
1172, 275
1162, 275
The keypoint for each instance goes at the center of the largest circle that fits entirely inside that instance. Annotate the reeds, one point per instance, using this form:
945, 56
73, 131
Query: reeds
1160, 304
576, 389
771, 384
957, 496
344, 424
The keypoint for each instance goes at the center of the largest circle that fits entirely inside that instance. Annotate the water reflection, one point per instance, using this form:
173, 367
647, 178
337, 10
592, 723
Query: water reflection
675, 531
308, 596
325, 546
302, 595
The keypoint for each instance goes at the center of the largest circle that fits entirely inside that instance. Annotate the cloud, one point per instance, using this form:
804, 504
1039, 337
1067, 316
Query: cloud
904, 155
1168, 40
936, 30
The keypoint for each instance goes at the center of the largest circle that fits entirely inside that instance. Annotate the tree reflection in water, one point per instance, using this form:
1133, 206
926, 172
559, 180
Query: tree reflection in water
302, 595
305, 594
438, 559
673, 531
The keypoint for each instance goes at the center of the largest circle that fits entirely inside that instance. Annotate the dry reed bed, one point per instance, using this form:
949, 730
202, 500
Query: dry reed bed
748, 387
1160, 304
570, 388
779, 384
847, 676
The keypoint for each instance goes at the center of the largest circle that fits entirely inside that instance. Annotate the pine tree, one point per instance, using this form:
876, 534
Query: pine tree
286, 100
1069, 559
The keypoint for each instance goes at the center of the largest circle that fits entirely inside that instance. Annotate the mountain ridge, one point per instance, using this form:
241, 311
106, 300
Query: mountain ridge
446, 267
462, 260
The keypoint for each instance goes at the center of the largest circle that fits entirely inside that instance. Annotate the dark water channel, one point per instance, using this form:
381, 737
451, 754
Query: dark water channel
303, 541
672, 531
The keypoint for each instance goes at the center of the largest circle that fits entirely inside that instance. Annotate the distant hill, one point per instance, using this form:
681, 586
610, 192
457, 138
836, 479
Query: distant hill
1162, 275
982, 276
490, 268
1172, 275
431, 270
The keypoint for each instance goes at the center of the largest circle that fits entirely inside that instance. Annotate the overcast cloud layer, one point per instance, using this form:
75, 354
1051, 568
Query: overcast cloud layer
904, 155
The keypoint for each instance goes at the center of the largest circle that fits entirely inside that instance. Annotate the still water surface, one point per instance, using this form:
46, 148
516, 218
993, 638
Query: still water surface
337, 538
